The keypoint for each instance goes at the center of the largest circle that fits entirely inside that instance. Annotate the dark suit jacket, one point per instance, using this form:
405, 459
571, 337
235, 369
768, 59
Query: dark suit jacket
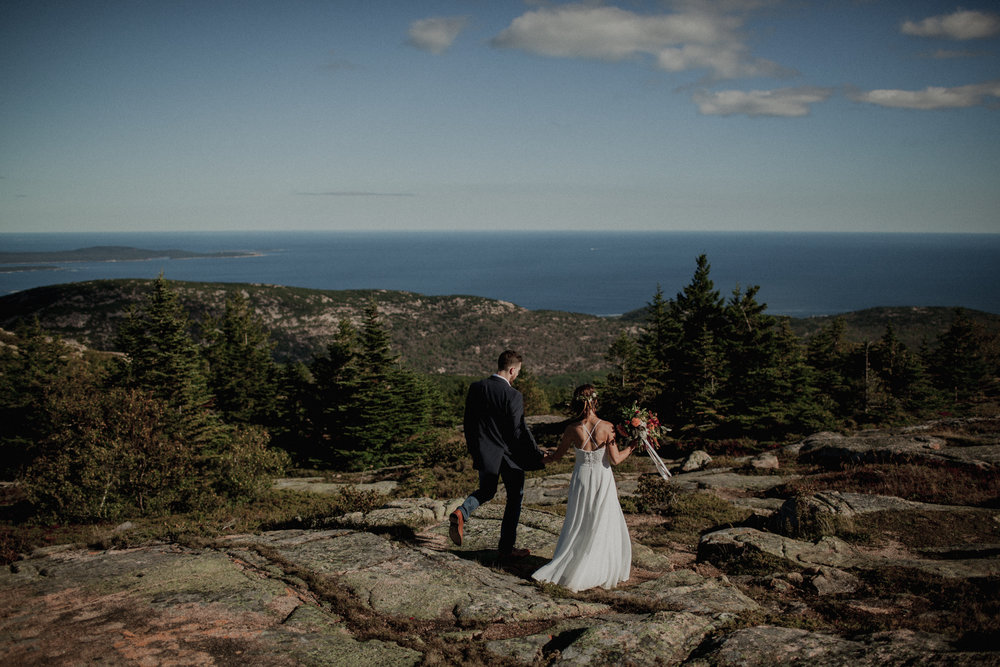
495, 430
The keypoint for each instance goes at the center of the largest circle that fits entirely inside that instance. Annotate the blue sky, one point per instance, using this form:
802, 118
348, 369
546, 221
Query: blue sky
850, 115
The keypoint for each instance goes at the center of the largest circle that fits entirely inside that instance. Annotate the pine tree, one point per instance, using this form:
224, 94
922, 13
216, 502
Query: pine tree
750, 394
162, 360
161, 356
371, 411
904, 376
696, 361
327, 401
242, 374
957, 362
828, 354
32, 364
805, 409
650, 376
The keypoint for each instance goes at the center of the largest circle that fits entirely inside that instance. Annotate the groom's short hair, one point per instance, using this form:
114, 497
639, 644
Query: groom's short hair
508, 358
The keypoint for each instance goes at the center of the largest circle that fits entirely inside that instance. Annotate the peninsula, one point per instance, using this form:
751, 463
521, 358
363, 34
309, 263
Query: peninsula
110, 254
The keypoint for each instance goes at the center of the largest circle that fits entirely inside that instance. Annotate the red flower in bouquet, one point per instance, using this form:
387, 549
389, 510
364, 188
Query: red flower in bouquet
642, 427
640, 424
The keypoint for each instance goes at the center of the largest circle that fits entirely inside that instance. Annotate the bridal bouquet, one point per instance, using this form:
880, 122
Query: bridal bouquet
639, 424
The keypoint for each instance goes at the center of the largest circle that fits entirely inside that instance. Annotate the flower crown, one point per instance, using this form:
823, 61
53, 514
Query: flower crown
587, 399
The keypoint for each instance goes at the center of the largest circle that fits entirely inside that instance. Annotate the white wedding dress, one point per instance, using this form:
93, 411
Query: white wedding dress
593, 547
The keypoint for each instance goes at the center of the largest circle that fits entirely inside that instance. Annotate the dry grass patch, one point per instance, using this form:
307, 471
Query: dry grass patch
942, 484
968, 610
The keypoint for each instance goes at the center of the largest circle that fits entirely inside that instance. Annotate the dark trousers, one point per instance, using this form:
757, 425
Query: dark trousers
513, 483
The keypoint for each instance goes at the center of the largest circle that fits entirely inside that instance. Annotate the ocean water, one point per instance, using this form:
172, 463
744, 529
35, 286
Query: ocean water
799, 274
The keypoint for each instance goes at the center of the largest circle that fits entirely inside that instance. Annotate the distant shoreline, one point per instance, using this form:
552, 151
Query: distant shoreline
107, 254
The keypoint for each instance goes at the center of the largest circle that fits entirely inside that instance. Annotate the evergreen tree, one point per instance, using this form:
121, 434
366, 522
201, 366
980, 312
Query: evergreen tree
162, 360
294, 430
770, 390
751, 357
332, 375
658, 339
696, 359
828, 354
623, 384
160, 354
957, 362
372, 411
32, 364
805, 409
242, 374
903, 376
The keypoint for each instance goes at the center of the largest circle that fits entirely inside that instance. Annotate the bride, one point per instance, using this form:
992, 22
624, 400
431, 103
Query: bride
594, 547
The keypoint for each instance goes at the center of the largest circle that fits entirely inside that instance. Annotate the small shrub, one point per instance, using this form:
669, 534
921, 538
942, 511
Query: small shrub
247, 466
655, 495
629, 505
353, 499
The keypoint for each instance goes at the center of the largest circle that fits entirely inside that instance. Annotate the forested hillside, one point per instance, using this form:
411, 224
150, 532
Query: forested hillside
434, 334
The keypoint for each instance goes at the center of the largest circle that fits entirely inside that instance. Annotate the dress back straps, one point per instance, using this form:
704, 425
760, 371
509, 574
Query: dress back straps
590, 438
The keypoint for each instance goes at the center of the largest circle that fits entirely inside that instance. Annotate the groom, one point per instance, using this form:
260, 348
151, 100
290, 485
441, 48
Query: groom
502, 447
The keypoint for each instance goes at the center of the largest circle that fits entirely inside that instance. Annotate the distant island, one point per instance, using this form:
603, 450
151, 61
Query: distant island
107, 254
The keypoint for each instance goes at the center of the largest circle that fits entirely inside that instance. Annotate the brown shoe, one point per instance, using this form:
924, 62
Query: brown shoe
516, 553
455, 529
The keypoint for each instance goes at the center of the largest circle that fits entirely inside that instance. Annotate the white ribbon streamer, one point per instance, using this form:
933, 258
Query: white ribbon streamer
661, 467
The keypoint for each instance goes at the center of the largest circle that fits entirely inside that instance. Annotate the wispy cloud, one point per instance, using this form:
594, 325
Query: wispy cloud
694, 38
436, 35
960, 25
355, 193
932, 97
785, 102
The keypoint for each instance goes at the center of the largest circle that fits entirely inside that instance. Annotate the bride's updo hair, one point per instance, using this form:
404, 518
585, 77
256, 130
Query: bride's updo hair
584, 398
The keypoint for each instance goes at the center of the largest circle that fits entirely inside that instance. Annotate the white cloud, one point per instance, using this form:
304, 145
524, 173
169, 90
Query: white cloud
692, 38
436, 34
932, 97
960, 25
787, 102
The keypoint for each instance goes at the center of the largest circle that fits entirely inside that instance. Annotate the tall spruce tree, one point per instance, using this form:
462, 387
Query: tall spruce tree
695, 359
750, 397
828, 353
803, 407
242, 373
373, 411
958, 364
903, 376
160, 354
32, 364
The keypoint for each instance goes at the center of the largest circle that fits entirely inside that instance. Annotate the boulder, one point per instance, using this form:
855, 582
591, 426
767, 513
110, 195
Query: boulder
826, 511
684, 590
756, 549
831, 581
407, 515
880, 446
725, 479
765, 461
665, 638
696, 460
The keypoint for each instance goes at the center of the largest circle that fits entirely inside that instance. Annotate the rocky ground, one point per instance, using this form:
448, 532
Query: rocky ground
811, 574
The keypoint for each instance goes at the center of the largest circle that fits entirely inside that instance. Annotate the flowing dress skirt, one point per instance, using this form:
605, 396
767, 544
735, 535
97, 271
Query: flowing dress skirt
593, 547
